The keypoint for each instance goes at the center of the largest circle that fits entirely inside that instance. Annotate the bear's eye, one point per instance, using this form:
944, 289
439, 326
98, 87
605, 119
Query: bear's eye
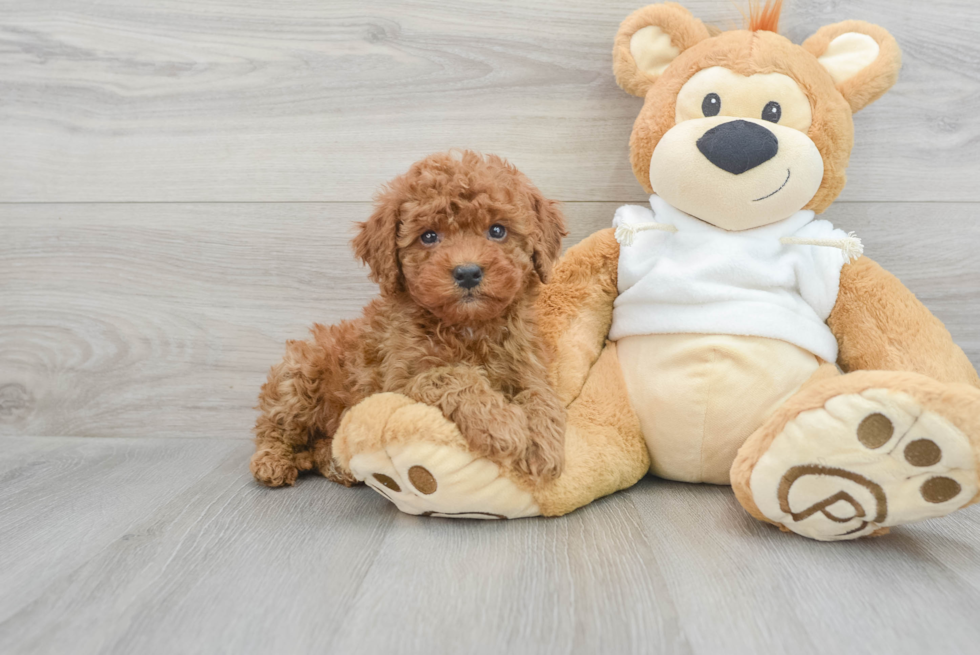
497, 232
429, 237
711, 105
772, 112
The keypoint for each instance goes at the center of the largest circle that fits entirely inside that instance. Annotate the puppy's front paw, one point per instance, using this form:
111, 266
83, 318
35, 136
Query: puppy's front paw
534, 447
541, 465
273, 469
544, 458
500, 435
327, 464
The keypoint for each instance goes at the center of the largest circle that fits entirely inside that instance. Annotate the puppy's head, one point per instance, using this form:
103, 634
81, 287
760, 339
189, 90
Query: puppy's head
464, 235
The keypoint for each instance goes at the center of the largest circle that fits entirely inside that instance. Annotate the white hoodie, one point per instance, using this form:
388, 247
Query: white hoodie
705, 280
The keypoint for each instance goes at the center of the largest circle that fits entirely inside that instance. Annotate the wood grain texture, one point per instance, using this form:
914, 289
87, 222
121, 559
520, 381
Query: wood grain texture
98, 557
64, 500
735, 581
213, 155
306, 100
166, 317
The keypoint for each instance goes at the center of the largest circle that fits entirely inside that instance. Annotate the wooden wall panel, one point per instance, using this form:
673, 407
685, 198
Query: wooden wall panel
311, 100
164, 318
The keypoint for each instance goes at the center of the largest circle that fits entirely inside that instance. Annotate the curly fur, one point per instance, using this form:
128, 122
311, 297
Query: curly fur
476, 355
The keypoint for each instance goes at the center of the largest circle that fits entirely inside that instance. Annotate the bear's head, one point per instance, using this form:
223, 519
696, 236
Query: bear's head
745, 128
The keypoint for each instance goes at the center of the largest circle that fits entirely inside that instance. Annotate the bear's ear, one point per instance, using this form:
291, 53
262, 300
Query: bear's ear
648, 40
863, 59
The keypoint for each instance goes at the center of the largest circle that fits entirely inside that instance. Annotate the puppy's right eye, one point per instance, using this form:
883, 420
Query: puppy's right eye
711, 105
430, 237
497, 232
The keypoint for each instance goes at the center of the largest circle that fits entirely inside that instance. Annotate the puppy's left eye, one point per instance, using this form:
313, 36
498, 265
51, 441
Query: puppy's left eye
497, 232
772, 112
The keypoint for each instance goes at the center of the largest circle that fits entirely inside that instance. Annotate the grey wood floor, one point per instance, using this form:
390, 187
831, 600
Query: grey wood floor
177, 186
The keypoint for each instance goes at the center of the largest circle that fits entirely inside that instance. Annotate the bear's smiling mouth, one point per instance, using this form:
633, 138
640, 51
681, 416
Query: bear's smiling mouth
777, 190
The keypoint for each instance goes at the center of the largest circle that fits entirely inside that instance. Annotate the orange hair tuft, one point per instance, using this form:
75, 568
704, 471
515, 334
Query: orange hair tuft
764, 18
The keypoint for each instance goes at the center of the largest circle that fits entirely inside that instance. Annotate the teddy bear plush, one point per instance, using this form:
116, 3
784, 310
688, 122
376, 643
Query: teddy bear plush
724, 334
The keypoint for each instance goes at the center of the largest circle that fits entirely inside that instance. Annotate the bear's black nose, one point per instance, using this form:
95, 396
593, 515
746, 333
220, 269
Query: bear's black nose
738, 146
467, 275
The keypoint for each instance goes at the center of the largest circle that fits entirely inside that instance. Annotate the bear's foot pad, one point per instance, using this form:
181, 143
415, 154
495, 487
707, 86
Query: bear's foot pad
418, 460
861, 463
437, 480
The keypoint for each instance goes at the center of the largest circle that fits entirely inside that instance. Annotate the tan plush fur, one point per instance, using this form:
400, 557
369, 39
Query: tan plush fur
878, 322
677, 22
575, 310
604, 448
748, 53
384, 419
881, 325
872, 82
363, 426
475, 354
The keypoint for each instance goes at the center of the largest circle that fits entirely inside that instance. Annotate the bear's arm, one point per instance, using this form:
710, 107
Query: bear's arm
881, 325
574, 310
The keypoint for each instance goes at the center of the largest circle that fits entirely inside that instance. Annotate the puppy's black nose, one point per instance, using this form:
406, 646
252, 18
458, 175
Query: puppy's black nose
738, 146
467, 275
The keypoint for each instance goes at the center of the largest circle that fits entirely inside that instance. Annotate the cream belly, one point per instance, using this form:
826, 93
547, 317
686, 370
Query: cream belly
700, 396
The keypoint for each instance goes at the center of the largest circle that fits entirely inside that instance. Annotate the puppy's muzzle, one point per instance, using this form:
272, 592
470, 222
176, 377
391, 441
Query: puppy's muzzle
468, 276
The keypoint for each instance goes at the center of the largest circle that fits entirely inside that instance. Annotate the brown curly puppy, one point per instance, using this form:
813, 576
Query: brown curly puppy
459, 246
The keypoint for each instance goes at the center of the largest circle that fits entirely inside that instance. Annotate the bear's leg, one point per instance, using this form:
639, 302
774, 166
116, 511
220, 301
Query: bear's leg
604, 447
409, 453
852, 455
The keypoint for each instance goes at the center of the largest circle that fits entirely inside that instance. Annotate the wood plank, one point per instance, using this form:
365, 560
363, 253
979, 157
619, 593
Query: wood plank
586, 583
166, 318
64, 500
736, 581
117, 315
162, 546
221, 566
257, 101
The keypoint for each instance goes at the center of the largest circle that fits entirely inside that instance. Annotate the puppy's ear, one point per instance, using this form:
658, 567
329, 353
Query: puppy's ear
377, 242
548, 235
863, 59
649, 40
